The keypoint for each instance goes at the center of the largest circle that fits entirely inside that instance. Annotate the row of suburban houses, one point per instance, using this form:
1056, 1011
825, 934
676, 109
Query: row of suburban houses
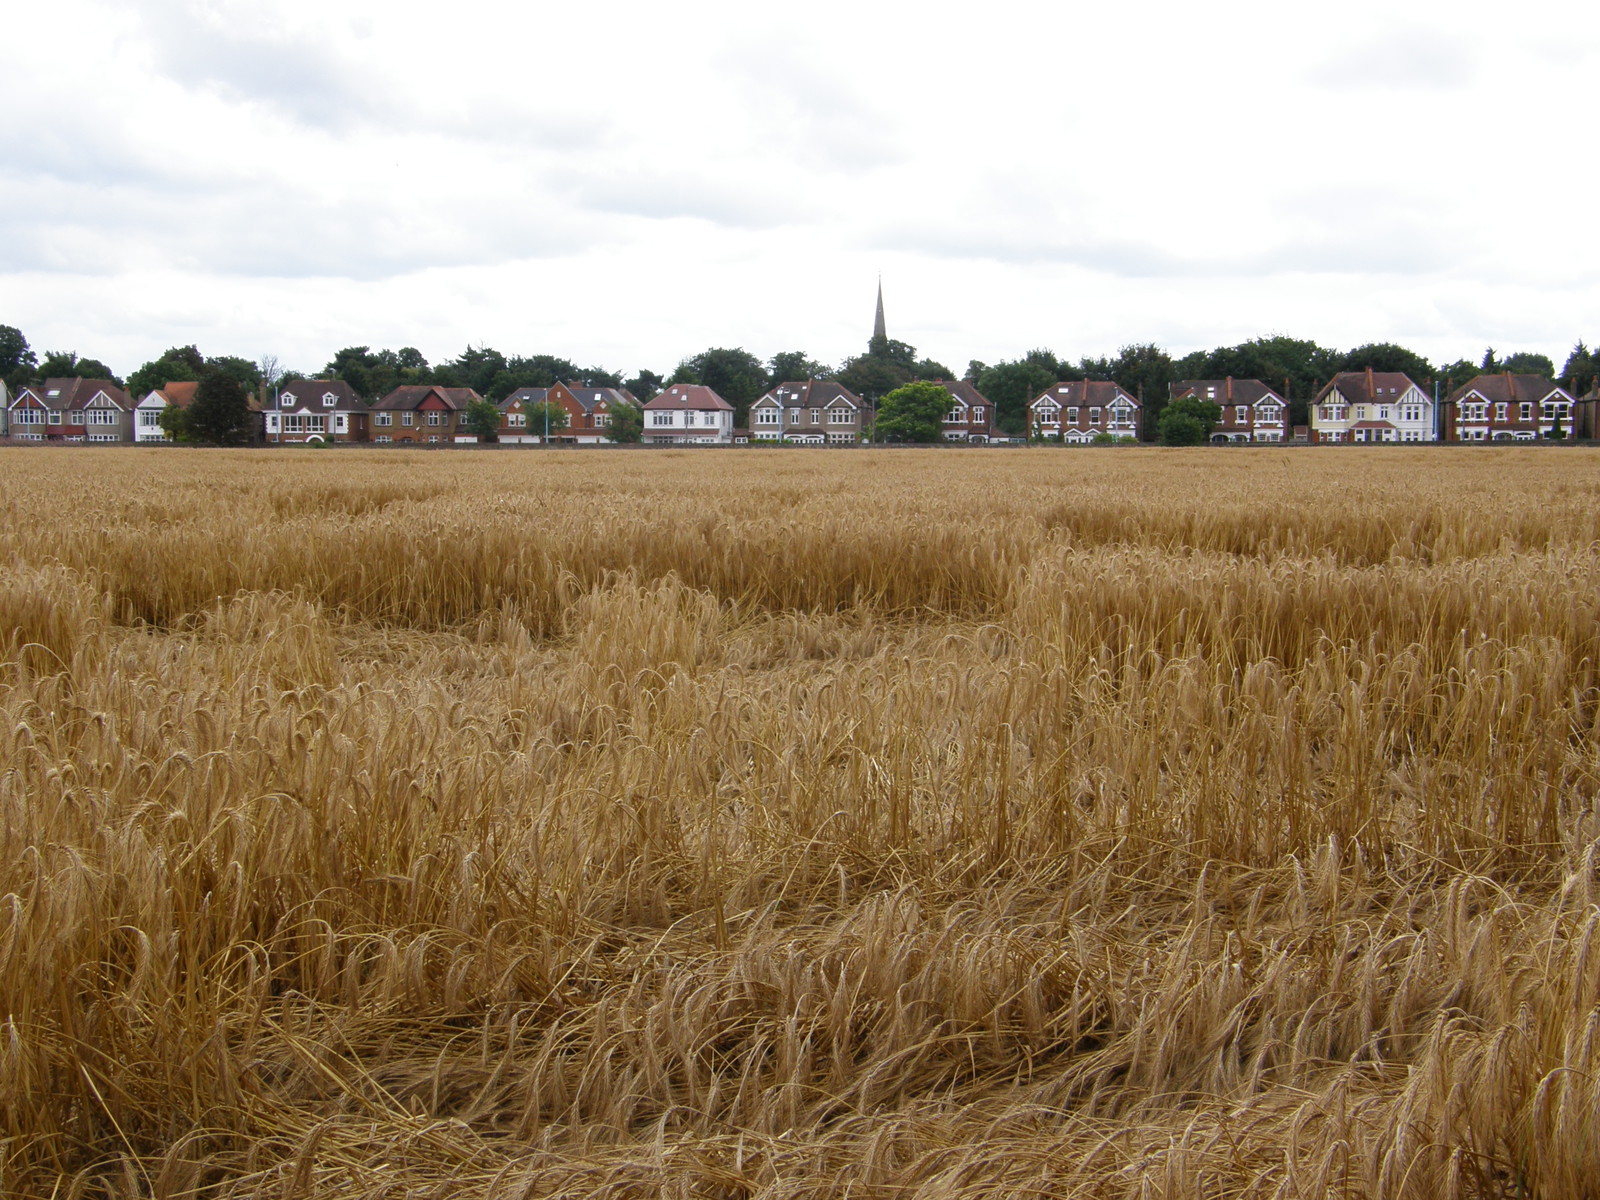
1355, 406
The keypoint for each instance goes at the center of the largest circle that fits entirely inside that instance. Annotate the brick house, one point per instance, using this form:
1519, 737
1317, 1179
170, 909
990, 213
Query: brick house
588, 411
814, 412
1251, 411
1508, 408
1080, 410
514, 416
688, 414
317, 410
71, 410
1372, 406
970, 417
424, 414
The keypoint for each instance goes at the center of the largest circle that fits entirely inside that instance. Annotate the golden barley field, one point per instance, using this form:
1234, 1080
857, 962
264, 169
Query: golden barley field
882, 825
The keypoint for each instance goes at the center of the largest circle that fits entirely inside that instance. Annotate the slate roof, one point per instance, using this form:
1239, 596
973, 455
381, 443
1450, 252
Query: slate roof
413, 395
1507, 388
812, 393
1086, 392
305, 395
1228, 391
1367, 386
75, 393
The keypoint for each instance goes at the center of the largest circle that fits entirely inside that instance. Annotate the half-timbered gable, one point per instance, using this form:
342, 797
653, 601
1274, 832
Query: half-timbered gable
1509, 408
1079, 410
1372, 406
813, 412
1251, 411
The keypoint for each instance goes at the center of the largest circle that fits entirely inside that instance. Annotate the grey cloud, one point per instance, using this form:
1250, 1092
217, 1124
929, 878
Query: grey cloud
662, 195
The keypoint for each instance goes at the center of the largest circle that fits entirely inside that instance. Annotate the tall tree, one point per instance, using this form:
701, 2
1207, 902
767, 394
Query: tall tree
1580, 369
180, 364
220, 414
64, 364
483, 419
17, 359
627, 423
1386, 356
793, 366
1011, 387
736, 375
913, 412
1145, 371
1524, 363
645, 386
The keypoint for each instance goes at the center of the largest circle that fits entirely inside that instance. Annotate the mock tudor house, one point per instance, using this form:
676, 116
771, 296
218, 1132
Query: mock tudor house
1080, 410
1372, 406
423, 413
1251, 411
815, 412
72, 410
1508, 408
688, 413
317, 410
970, 417
147, 413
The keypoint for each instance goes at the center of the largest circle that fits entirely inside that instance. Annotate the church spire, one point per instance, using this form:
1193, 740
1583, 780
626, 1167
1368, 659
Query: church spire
880, 331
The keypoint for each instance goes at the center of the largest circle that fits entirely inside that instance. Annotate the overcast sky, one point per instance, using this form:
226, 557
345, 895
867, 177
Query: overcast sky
625, 184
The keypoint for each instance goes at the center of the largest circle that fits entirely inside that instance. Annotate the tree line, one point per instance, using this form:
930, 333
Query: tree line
1297, 367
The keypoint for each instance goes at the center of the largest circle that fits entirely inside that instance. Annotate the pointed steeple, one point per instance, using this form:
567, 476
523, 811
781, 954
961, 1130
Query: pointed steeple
880, 331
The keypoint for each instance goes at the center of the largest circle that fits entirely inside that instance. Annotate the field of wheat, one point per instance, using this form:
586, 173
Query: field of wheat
757, 824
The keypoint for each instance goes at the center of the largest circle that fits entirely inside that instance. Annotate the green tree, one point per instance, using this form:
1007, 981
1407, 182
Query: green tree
645, 386
532, 371
1145, 370
872, 378
1453, 375
1011, 387
793, 366
65, 364
1558, 431
1524, 363
1386, 356
1188, 422
17, 360
220, 414
180, 364
242, 369
627, 424
1578, 373
174, 423
482, 417
542, 411
913, 412
736, 375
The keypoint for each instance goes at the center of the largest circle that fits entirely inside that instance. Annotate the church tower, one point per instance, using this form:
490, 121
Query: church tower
880, 331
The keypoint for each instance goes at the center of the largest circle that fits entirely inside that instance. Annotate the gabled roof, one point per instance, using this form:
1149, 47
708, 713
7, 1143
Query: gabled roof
1102, 393
307, 394
812, 393
1361, 387
1506, 388
591, 398
962, 391
178, 394
415, 395
75, 393
689, 396
1227, 391
527, 396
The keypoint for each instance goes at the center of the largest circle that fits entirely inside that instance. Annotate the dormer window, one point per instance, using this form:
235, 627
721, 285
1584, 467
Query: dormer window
329, 399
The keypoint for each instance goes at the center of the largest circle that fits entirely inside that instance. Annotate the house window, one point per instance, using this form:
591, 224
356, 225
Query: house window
405, 418
954, 416
517, 420
149, 419
286, 400
1072, 415
75, 417
766, 416
602, 419
434, 418
55, 416
104, 437
100, 416
977, 414
1500, 411
661, 418
839, 416
329, 399
1241, 413
433, 437
794, 416
1094, 416
1525, 411
28, 416
816, 416
383, 438
384, 419
302, 423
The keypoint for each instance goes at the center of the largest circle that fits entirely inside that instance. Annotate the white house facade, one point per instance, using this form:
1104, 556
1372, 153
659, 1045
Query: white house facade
688, 414
1373, 406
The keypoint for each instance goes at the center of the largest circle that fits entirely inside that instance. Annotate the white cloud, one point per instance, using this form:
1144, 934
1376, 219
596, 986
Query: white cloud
628, 184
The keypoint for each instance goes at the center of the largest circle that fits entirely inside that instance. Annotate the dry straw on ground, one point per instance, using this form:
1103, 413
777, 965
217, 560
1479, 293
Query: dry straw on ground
1010, 824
